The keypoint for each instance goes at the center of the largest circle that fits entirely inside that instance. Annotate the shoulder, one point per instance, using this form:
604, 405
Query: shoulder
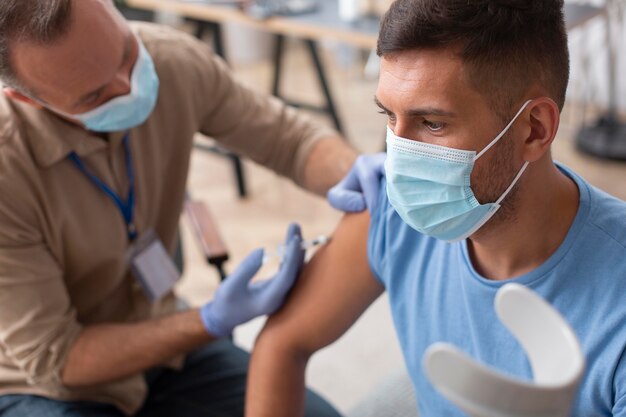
8, 123
189, 72
19, 171
15, 154
607, 214
173, 49
160, 37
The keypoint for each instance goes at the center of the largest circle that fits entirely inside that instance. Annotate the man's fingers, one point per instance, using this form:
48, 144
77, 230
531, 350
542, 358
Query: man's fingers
292, 231
360, 189
344, 195
289, 269
346, 200
246, 270
370, 170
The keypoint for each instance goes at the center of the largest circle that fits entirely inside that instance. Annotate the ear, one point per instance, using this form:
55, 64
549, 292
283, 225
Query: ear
17, 96
543, 119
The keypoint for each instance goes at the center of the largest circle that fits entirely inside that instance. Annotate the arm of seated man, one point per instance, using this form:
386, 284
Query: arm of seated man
335, 288
107, 352
97, 355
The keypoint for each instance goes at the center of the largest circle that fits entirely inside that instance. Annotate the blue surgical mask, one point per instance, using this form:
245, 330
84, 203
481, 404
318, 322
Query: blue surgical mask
429, 186
128, 111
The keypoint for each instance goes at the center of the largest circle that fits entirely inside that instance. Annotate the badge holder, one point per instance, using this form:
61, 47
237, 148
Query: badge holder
152, 266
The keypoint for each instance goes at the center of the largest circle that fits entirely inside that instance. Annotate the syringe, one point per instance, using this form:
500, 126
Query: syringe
279, 252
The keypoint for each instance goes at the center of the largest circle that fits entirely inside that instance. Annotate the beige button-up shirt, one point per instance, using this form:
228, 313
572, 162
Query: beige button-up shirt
62, 240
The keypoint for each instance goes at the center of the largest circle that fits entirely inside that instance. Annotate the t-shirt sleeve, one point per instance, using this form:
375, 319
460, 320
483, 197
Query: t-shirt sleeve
619, 384
37, 321
252, 123
376, 240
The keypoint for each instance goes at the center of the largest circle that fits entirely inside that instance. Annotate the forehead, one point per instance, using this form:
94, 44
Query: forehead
81, 59
432, 77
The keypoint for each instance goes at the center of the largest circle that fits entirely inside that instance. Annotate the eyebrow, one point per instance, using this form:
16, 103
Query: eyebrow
125, 55
419, 112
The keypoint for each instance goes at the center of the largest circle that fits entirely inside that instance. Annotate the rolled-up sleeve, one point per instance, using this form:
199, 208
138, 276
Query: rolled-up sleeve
37, 322
251, 123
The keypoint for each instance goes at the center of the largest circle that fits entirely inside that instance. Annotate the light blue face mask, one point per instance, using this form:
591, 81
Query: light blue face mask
429, 186
128, 111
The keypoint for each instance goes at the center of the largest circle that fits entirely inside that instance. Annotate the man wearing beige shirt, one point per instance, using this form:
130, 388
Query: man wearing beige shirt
96, 127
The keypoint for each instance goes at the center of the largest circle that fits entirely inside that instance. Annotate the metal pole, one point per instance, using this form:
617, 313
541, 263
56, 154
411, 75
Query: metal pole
611, 9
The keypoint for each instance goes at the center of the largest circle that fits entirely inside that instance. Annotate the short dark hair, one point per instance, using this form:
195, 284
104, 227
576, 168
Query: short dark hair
39, 21
506, 44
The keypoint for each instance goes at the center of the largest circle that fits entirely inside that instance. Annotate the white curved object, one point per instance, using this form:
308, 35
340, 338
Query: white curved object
552, 348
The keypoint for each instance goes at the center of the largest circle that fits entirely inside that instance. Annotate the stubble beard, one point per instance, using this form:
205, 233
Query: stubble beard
494, 182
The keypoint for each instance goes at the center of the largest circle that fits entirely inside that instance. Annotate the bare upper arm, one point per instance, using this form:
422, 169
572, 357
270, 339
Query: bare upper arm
332, 292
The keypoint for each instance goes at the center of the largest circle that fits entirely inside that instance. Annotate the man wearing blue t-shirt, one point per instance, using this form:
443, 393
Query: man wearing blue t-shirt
472, 200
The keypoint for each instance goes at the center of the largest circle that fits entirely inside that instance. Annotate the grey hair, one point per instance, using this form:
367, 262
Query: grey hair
37, 21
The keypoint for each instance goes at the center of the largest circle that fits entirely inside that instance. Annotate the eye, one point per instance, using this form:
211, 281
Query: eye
390, 116
434, 126
87, 102
92, 99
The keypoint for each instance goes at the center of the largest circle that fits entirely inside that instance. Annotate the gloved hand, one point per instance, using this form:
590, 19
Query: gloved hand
360, 188
238, 300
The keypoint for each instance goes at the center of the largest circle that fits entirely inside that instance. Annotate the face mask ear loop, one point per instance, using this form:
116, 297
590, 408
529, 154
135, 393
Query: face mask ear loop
493, 142
517, 177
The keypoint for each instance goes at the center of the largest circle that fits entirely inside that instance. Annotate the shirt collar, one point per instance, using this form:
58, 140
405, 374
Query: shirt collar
52, 139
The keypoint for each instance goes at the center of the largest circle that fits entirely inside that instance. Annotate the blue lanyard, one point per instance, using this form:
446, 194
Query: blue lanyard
127, 208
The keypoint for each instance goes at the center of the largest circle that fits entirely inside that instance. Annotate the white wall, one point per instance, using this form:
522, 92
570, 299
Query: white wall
589, 53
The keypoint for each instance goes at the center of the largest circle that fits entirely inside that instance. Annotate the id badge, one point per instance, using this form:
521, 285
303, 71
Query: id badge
152, 266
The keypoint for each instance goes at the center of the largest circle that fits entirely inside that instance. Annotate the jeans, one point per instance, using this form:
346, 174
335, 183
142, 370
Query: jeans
212, 383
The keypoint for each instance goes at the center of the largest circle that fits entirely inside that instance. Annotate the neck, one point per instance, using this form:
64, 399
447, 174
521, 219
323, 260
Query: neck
546, 206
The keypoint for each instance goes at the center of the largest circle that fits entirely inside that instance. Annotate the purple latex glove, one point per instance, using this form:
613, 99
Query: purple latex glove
360, 188
238, 300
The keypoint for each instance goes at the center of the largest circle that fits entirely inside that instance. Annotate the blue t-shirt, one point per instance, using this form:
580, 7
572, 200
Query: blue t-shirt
436, 295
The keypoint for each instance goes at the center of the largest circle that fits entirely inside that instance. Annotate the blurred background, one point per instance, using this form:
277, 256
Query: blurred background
592, 139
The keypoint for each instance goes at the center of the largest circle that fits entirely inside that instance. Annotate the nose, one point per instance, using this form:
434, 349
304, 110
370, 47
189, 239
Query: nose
402, 129
121, 84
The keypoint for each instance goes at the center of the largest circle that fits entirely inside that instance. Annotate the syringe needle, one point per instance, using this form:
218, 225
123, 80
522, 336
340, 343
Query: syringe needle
305, 245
